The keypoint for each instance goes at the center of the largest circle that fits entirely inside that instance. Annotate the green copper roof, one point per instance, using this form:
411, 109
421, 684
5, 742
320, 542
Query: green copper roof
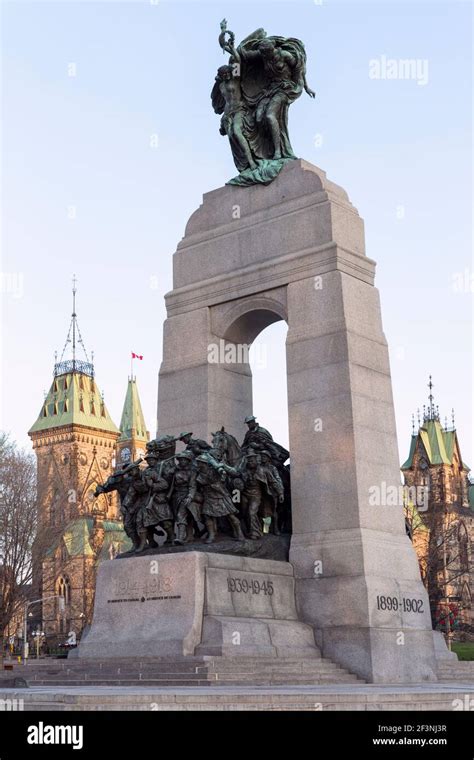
438, 443
114, 536
417, 522
406, 465
73, 399
433, 437
132, 415
76, 538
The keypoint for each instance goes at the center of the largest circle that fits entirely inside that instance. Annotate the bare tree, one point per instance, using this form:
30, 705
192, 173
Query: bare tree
442, 556
18, 528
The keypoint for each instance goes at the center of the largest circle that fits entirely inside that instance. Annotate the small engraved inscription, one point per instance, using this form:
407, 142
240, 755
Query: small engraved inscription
150, 590
143, 587
393, 604
249, 586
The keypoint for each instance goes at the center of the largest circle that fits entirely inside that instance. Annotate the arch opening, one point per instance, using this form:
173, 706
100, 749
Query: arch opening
269, 380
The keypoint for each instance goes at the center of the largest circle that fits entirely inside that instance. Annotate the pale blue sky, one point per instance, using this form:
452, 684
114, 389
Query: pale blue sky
398, 147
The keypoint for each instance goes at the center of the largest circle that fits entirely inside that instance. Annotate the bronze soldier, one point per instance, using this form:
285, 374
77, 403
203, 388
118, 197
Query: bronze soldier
259, 438
123, 481
184, 506
276, 488
209, 480
260, 488
157, 481
196, 446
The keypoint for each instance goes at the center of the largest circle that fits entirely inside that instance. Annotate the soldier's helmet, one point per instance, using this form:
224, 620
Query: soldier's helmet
251, 454
185, 455
265, 453
203, 459
250, 418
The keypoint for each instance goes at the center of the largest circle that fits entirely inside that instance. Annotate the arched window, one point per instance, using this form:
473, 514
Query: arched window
466, 597
425, 478
463, 540
63, 554
63, 589
54, 508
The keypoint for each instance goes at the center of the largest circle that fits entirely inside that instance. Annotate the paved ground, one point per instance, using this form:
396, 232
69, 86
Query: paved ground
438, 696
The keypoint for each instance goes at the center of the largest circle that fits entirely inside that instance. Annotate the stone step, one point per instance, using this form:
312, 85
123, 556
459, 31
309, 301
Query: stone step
235, 665
355, 697
330, 675
185, 671
461, 671
190, 661
158, 672
175, 682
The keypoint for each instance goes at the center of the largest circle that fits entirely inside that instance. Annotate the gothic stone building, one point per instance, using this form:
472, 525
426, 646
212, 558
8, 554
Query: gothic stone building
440, 521
76, 445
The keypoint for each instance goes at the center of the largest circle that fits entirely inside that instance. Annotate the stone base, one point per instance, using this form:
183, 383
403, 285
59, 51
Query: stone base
268, 547
442, 653
196, 603
368, 605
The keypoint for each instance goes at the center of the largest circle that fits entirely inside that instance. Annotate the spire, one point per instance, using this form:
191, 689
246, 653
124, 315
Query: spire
132, 423
74, 398
74, 337
74, 319
431, 412
438, 441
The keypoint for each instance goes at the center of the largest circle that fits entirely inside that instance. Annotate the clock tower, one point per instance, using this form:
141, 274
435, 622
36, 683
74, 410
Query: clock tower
134, 436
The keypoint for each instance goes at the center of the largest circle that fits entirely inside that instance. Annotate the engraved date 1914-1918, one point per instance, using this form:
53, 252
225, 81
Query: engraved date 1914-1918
393, 604
242, 585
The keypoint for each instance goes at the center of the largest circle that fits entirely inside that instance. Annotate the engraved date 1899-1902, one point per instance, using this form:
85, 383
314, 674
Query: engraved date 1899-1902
252, 586
393, 604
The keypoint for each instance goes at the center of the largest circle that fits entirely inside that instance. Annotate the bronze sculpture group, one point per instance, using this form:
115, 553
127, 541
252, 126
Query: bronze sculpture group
206, 490
253, 93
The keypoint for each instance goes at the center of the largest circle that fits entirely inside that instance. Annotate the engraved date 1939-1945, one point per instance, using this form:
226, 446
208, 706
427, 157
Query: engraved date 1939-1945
252, 586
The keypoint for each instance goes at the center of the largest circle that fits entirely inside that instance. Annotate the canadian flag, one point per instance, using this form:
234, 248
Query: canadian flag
136, 356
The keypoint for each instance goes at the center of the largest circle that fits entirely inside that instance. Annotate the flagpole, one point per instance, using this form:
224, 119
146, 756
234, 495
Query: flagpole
131, 365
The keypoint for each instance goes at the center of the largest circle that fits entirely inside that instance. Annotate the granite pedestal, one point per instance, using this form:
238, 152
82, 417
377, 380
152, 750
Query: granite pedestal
295, 250
196, 604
